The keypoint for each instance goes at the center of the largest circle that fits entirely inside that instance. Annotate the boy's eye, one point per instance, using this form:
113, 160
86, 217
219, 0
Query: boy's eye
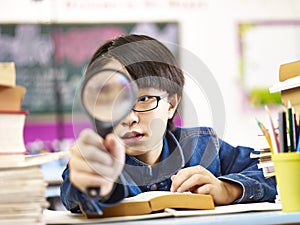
144, 98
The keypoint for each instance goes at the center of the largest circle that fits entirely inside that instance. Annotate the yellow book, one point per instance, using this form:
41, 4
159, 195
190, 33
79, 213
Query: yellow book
289, 70
7, 74
155, 201
11, 97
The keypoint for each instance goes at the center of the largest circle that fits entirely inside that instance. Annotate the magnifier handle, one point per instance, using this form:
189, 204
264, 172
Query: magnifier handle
103, 128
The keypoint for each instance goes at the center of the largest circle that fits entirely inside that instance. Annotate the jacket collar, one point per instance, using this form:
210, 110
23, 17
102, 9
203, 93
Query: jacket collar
172, 159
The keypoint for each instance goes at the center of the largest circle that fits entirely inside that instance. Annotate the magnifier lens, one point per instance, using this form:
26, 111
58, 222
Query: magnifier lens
108, 96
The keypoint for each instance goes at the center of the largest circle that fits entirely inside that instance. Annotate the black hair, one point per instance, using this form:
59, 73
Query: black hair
149, 62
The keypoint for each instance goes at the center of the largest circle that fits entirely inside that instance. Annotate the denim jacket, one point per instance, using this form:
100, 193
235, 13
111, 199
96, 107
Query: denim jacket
184, 147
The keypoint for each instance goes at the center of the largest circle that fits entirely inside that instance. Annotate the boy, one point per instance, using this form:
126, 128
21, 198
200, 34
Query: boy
147, 152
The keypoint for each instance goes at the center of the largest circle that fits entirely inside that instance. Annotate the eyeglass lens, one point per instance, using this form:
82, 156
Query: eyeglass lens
146, 103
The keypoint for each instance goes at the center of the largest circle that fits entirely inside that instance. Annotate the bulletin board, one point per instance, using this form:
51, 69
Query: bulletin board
263, 47
50, 60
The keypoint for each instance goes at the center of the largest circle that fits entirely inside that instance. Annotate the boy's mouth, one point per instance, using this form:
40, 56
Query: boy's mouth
132, 136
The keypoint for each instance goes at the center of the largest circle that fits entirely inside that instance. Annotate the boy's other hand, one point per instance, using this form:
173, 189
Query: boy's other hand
199, 180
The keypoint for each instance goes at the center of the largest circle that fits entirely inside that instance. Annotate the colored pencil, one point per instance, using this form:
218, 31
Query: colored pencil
265, 133
273, 137
283, 145
291, 127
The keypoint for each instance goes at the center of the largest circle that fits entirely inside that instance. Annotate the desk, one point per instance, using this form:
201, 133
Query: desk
245, 218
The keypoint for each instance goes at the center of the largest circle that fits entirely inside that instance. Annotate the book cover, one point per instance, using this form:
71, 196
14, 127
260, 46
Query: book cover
289, 70
155, 201
11, 97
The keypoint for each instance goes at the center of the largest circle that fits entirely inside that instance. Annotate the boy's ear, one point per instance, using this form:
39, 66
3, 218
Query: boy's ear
174, 101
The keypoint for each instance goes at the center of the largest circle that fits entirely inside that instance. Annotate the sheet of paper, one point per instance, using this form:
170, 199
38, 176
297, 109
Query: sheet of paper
235, 208
66, 217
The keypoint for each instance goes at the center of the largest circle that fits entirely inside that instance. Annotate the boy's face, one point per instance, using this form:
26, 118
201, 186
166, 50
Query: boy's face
143, 131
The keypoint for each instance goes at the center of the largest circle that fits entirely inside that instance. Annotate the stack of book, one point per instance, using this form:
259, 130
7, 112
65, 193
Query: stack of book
23, 190
22, 194
263, 154
12, 118
288, 117
289, 84
22, 186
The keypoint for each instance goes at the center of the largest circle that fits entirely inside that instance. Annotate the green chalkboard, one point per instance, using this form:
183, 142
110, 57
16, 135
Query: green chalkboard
50, 58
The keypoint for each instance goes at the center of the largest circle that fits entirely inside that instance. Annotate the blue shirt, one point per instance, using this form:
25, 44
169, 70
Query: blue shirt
184, 147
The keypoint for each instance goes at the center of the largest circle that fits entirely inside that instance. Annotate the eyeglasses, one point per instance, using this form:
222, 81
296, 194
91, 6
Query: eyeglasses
147, 103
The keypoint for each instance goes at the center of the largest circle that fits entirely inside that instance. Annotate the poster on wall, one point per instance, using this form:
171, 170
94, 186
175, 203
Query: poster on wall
263, 47
50, 60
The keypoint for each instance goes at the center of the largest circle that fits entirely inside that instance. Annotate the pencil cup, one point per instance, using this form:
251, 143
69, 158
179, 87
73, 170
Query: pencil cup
287, 170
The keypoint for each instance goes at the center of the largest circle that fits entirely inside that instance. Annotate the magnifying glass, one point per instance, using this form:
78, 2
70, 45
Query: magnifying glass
108, 96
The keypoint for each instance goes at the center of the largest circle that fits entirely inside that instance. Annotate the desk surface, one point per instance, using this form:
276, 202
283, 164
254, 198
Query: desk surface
245, 218
257, 218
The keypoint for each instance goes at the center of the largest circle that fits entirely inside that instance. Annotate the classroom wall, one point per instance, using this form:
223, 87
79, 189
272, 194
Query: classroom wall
208, 38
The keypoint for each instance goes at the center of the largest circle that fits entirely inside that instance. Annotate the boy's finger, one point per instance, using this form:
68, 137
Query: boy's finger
177, 181
115, 147
195, 180
90, 137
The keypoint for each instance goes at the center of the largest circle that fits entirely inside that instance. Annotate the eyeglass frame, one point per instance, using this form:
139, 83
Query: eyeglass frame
158, 98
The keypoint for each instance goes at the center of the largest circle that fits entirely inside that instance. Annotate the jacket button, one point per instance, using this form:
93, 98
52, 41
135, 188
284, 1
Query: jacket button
161, 184
153, 187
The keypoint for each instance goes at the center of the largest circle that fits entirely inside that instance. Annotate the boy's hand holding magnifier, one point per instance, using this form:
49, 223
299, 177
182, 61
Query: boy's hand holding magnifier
107, 96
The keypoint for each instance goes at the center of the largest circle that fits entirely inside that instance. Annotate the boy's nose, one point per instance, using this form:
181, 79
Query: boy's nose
131, 119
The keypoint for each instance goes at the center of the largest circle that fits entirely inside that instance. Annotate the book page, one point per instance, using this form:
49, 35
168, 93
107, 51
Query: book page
146, 196
234, 208
37, 160
284, 85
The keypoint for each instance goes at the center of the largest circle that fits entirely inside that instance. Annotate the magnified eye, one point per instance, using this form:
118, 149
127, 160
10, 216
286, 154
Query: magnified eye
108, 95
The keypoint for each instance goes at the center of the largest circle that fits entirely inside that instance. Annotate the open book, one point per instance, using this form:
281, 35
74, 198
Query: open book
154, 201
